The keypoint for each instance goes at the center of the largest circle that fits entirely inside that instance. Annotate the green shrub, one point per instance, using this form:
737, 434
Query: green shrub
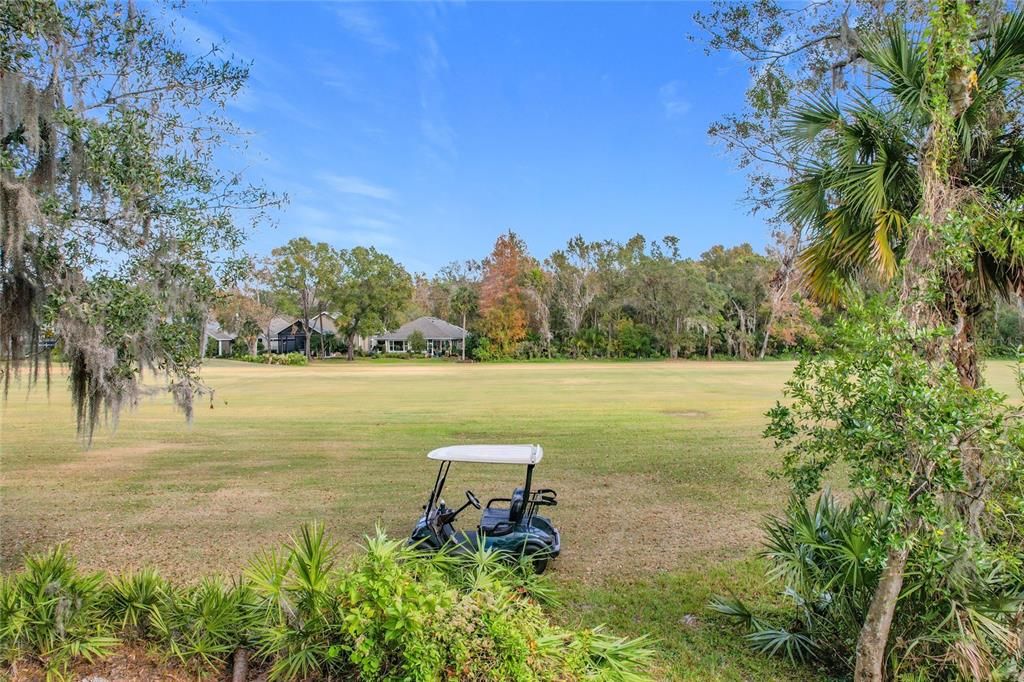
953, 621
294, 359
302, 628
53, 614
417, 342
392, 613
132, 601
203, 625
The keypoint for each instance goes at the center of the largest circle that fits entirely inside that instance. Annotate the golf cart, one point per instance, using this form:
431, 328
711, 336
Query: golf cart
507, 524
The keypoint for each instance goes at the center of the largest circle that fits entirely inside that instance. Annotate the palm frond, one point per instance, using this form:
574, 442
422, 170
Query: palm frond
796, 646
1003, 58
811, 118
897, 59
890, 225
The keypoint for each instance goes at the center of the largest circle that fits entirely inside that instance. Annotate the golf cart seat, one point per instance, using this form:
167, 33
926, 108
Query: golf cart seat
499, 520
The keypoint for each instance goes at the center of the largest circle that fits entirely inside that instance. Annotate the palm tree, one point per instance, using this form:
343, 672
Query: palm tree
937, 131
857, 196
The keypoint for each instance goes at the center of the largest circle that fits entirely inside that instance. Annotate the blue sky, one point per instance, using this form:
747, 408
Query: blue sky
427, 129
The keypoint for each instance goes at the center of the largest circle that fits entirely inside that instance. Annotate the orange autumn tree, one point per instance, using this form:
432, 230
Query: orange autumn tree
502, 300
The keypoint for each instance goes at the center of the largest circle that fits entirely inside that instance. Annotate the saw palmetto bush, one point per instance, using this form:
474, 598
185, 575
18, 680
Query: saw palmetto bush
822, 556
954, 621
203, 625
300, 613
132, 601
52, 614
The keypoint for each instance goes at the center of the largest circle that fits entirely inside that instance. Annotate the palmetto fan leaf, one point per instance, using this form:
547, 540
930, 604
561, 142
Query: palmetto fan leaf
895, 56
857, 193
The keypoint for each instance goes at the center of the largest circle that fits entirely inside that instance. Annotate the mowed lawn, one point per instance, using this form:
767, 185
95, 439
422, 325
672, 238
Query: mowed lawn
660, 468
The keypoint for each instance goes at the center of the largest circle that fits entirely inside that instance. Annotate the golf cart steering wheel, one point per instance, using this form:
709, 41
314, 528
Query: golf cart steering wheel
472, 499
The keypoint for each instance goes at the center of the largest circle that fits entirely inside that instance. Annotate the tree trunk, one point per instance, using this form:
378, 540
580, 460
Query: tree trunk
350, 353
463, 336
203, 337
673, 348
741, 348
305, 330
964, 354
240, 666
874, 633
767, 333
939, 198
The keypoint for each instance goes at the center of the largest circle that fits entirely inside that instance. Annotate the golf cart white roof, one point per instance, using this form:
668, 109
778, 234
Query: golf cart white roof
489, 454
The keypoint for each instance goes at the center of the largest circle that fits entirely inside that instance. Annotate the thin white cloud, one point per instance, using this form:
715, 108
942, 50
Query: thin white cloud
332, 224
350, 184
368, 238
360, 22
253, 98
438, 135
371, 223
673, 100
306, 214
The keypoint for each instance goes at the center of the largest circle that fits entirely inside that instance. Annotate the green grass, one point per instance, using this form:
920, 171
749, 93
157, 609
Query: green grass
661, 472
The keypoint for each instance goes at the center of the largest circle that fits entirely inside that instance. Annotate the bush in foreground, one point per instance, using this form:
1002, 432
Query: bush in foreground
392, 613
912, 573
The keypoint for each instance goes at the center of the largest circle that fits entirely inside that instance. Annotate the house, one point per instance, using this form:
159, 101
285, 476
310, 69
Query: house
324, 323
287, 335
443, 338
216, 334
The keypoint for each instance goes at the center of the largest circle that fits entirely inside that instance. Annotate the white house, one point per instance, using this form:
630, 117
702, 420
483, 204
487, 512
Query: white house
443, 338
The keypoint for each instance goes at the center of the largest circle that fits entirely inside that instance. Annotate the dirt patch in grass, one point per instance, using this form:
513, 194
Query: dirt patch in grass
103, 461
685, 413
629, 526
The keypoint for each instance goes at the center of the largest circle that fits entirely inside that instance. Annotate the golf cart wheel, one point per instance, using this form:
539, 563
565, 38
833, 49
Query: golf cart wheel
539, 557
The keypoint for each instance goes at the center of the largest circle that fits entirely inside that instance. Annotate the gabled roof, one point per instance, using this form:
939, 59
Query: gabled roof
279, 324
214, 331
489, 454
430, 327
324, 322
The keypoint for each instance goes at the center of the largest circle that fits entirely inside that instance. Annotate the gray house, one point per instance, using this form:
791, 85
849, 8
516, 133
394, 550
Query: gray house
216, 334
288, 334
443, 338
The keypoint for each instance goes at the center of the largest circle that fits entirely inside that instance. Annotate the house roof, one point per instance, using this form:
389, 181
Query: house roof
431, 328
214, 331
324, 322
489, 454
279, 324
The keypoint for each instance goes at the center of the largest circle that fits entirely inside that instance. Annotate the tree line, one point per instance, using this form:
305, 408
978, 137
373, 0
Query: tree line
589, 299
635, 299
